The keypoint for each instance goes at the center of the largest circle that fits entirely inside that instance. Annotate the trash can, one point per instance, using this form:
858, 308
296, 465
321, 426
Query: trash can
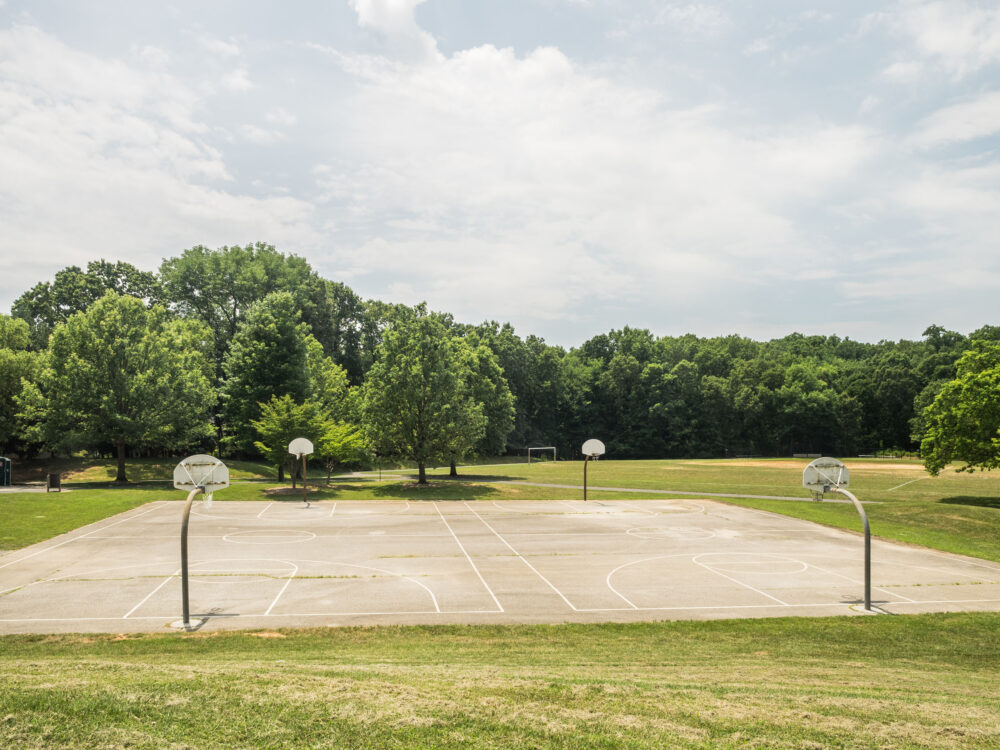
52, 483
4, 472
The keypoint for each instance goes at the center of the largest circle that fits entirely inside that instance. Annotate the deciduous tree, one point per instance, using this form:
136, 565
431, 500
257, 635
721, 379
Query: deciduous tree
122, 375
963, 421
418, 399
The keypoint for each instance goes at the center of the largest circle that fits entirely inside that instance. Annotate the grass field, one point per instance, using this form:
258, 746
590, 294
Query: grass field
925, 681
954, 512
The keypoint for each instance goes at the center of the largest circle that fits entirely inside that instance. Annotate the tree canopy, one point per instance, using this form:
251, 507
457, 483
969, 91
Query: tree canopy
963, 421
124, 376
274, 327
418, 399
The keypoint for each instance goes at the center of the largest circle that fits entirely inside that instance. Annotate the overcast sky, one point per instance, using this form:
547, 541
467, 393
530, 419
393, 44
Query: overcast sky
570, 166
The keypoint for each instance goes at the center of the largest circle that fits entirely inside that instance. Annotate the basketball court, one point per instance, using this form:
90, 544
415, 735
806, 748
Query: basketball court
285, 564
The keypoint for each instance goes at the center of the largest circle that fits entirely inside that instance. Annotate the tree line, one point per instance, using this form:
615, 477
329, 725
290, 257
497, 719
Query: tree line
237, 350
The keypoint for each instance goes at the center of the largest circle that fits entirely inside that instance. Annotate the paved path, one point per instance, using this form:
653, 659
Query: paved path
685, 493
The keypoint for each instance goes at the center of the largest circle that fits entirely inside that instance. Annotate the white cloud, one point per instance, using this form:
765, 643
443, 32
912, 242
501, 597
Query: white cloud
903, 71
237, 80
261, 136
757, 46
281, 116
960, 122
958, 37
869, 104
220, 47
152, 56
522, 182
396, 21
698, 18
105, 159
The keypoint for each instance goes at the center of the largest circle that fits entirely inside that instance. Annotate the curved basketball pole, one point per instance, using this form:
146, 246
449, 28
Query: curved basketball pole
868, 544
184, 554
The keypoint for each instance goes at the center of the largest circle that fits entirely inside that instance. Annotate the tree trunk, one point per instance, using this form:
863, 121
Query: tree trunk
454, 470
291, 470
121, 464
281, 472
422, 473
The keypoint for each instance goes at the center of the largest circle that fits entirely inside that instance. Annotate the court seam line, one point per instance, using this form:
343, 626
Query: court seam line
56, 546
859, 583
550, 584
467, 557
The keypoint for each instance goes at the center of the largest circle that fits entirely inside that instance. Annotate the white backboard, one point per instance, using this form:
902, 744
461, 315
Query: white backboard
201, 471
593, 447
824, 473
300, 447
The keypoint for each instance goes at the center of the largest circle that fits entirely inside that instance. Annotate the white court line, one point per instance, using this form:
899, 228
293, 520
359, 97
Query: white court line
290, 577
634, 562
54, 546
906, 483
146, 598
462, 547
333, 510
734, 580
265, 510
958, 559
551, 586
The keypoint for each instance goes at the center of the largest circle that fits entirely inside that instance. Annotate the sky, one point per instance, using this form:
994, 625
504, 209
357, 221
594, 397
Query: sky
569, 166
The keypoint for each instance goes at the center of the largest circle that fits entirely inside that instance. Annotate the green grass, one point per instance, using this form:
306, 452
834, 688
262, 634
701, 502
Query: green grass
137, 469
925, 681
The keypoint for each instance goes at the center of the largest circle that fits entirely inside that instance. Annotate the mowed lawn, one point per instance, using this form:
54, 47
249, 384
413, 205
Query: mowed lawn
954, 512
927, 681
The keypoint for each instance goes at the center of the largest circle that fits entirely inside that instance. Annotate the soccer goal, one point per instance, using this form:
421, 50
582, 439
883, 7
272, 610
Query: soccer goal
543, 448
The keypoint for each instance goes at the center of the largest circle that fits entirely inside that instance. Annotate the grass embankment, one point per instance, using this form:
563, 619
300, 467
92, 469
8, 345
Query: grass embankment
925, 681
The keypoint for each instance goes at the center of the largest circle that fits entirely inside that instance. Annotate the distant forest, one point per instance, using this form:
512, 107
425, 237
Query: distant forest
644, 396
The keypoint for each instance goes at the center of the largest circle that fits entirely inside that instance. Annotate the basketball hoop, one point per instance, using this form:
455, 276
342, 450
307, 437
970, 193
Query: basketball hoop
830, 475
592, 449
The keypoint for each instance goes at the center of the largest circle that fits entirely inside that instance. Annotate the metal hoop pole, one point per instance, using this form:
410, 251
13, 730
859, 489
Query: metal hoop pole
184, 553
305, 489
868, 546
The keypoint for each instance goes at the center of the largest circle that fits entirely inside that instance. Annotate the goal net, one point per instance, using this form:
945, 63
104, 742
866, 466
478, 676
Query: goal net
541, 452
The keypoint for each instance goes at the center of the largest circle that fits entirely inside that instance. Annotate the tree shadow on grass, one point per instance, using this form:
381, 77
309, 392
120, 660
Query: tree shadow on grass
978, 502
451, 489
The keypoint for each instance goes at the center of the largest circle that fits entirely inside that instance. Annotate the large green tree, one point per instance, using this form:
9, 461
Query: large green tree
963, 421
418, 400
268, 357
47, 304
220, 286
17, 364
282, 420
123, 376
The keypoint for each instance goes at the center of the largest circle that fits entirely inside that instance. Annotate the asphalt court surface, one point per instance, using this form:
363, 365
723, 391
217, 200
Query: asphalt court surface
283, 564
